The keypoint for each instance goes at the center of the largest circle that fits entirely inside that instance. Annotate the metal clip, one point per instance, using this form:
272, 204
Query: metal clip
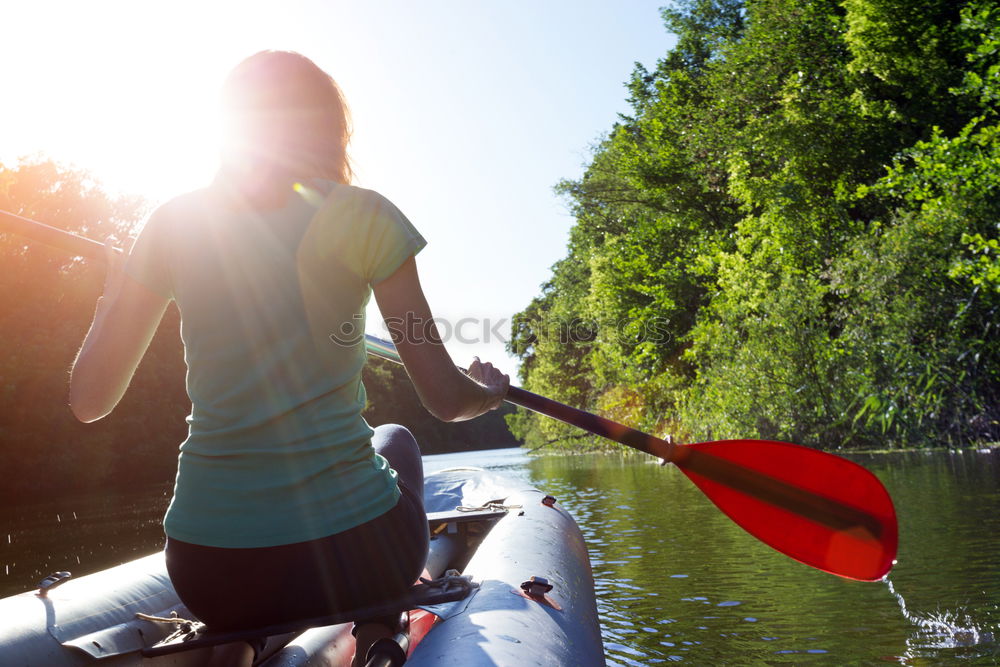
51, 581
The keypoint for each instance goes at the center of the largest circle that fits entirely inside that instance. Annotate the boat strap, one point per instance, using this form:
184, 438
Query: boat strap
195, 635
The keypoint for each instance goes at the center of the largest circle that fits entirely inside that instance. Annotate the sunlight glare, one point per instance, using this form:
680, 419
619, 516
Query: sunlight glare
138, 113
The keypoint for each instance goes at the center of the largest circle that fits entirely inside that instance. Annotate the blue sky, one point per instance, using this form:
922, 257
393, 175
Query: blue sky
466, 113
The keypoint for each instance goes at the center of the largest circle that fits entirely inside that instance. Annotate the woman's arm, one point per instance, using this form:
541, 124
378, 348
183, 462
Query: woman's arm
444, 390
126, 319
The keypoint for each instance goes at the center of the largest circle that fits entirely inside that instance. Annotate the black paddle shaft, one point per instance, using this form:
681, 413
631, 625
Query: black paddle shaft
592, 423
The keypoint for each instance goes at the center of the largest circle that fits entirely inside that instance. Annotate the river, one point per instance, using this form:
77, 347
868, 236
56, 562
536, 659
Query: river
676, 580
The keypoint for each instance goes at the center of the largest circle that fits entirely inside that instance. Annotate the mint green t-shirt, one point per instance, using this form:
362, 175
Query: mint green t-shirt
272, 315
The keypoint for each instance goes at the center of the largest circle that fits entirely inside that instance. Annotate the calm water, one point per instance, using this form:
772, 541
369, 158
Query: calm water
676, 580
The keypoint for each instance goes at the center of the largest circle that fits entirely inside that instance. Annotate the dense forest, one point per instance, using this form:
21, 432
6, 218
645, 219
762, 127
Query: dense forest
792, 235
46, 303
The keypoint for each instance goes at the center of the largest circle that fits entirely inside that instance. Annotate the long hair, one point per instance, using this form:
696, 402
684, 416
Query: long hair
286, 121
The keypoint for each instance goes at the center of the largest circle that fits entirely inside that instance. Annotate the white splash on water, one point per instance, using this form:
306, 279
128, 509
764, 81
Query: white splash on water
941, 630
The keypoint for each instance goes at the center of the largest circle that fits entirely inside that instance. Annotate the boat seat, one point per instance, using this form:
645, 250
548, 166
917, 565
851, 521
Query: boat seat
195, 635
446, 589
438, 521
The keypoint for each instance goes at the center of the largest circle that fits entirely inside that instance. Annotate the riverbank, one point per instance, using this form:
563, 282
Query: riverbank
605, 447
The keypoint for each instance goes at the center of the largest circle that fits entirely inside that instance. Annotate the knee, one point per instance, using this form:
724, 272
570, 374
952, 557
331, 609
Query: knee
399, 447
395, 436
393, 431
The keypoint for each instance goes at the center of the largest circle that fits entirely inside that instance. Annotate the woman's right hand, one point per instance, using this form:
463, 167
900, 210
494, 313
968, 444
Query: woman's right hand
494, 382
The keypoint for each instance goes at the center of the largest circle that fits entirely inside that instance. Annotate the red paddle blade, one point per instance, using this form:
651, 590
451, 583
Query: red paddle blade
820, 509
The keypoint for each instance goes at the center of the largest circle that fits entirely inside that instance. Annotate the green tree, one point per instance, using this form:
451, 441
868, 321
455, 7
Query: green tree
745, 208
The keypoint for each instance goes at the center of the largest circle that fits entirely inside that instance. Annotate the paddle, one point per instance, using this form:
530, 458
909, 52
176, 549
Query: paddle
817, 508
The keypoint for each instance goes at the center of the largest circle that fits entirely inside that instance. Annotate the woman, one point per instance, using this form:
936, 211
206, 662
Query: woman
287, 505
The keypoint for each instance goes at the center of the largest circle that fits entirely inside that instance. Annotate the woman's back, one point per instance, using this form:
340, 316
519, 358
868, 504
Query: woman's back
266, 298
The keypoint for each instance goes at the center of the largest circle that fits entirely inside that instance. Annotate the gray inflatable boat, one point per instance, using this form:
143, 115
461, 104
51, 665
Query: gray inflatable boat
508, 561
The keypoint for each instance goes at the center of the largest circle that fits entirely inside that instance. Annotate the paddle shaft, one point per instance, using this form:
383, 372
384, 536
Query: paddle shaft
52, 236
564, 413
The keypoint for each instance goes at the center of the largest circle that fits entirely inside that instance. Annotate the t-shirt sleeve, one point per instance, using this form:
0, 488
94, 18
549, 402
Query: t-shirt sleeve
364, 232
147, 262
390, 240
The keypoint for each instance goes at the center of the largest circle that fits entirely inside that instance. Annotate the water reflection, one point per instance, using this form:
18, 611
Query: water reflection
79, 533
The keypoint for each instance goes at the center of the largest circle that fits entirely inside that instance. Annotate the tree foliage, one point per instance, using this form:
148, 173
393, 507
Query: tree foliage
802, 210
46, 305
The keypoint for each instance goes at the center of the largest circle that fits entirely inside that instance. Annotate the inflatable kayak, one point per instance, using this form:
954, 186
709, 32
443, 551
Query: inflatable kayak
509, 583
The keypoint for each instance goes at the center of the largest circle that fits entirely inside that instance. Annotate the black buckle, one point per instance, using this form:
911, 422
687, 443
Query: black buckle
536, 587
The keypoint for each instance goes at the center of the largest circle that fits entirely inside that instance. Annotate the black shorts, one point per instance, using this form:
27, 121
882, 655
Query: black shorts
232, 589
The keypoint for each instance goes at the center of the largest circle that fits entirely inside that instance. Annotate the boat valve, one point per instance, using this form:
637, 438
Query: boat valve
536, 586
549, 501
51, 581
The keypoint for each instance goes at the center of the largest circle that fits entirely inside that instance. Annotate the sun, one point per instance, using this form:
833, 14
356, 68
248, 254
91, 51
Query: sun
138, 113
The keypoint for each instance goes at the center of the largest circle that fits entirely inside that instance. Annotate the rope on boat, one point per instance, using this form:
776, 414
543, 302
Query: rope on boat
450, 579
173, 619
494, 507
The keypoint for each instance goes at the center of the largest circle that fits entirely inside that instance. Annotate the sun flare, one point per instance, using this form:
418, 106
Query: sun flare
140, 115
